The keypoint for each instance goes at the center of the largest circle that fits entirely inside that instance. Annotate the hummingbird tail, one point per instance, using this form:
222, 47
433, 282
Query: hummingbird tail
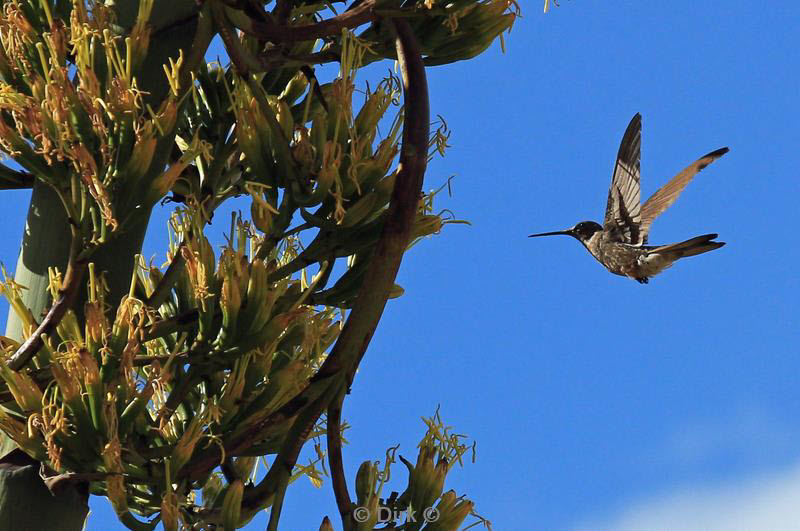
698, 245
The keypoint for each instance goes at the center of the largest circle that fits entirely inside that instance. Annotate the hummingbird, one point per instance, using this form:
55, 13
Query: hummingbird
620, 243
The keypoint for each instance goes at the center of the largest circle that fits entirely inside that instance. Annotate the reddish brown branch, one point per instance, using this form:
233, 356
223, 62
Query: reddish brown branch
54, 483
335, 461
374, 292
277, 32
70, 286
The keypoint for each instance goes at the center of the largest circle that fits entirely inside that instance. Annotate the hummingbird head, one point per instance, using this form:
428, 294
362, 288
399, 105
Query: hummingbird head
585, 229
581, 232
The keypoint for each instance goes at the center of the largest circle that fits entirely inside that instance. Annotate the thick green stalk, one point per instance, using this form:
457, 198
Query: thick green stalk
45, 243
26, 503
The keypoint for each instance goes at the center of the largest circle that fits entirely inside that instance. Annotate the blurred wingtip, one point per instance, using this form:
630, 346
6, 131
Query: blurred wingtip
708, 158
718, 153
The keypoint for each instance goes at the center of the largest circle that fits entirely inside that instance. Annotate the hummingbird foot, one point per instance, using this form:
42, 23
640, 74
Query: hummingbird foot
642, 280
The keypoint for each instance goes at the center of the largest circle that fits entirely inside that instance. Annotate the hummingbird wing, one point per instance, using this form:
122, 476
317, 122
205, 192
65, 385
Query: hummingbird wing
623, 210
663, 199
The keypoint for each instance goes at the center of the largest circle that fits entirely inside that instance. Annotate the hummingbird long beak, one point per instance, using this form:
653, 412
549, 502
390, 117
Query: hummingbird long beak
558, 232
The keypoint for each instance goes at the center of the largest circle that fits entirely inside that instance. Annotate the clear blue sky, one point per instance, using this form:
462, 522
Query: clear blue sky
596, 402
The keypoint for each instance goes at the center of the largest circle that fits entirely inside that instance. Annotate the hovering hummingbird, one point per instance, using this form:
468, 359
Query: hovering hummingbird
620, 243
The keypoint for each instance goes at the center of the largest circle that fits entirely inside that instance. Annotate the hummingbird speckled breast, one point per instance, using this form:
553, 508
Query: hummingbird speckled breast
620, 244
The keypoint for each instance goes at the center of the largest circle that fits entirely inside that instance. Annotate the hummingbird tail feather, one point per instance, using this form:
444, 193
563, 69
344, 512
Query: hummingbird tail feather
698, 245
700, 249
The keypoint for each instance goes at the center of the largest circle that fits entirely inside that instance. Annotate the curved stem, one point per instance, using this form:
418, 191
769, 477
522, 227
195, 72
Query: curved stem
275, 32
404, 204
335, 461
277, 503
339, 367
